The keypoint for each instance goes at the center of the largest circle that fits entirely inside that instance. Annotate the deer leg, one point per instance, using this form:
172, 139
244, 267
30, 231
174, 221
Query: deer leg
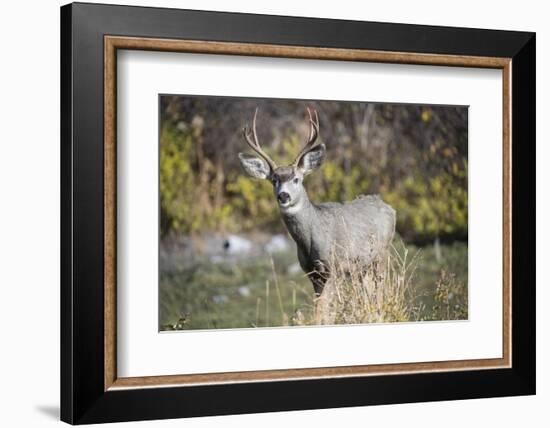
319, 277
318, 283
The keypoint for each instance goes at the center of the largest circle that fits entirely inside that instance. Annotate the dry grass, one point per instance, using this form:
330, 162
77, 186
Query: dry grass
380, 293
450, 298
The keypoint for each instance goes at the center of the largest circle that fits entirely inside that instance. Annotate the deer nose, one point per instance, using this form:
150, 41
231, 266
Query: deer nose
283, 197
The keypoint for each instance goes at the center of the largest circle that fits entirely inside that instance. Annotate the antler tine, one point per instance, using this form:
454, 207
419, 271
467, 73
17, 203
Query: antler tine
313, 134
255, 145
254, 128
314, 127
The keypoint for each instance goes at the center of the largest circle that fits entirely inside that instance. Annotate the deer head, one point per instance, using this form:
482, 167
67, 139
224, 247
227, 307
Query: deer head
287, 180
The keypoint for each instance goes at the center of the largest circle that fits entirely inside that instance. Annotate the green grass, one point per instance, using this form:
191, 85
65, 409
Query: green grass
454, 262
206, 295
261, 292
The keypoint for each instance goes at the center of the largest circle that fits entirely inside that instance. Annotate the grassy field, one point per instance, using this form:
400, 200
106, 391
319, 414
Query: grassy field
270, 290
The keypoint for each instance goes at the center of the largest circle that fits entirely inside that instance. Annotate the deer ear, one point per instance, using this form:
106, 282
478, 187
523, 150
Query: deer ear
312, 159
255, 166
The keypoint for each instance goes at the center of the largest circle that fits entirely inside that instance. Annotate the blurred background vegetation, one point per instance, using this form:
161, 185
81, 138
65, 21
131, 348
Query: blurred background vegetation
414, 156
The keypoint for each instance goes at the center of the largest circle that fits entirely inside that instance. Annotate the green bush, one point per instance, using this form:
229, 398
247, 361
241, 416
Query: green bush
431, 207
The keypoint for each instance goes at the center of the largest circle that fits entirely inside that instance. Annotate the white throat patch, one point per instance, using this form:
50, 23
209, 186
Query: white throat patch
293, 209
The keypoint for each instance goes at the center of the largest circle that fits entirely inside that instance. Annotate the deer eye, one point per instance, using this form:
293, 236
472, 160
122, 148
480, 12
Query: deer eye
296, 180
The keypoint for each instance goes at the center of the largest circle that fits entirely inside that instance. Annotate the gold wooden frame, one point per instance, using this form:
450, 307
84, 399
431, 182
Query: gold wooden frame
113, 43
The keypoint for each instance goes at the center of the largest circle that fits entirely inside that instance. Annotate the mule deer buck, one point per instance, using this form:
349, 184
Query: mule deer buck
360, 230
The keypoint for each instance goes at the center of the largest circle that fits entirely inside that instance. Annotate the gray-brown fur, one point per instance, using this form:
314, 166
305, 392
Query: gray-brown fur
360, 229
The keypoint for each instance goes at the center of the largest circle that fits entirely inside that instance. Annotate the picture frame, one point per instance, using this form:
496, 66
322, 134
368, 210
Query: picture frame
91, 391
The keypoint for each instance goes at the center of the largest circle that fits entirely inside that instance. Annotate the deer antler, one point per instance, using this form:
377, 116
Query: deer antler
312, 137
255, 144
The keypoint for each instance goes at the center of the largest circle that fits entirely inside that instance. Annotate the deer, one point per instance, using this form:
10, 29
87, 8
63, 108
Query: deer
361, 229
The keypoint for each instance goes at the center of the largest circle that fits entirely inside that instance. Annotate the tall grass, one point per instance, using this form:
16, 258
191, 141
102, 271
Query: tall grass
380, 293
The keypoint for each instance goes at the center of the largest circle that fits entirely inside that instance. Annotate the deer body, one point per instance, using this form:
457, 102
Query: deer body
360, 229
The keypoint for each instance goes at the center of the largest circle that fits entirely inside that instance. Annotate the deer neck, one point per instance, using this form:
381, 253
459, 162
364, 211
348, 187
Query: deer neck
300, 223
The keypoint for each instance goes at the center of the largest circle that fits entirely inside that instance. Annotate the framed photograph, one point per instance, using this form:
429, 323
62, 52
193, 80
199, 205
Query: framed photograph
267, 213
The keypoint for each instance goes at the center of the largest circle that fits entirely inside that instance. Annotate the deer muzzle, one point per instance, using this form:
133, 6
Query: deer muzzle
283, 198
